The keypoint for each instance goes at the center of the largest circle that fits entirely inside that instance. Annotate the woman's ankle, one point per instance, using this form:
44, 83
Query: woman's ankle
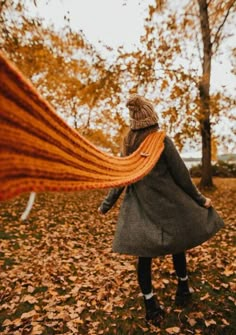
183, 284
148, 295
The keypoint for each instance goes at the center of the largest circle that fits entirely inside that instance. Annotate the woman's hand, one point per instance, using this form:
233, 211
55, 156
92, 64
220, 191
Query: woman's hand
208, 203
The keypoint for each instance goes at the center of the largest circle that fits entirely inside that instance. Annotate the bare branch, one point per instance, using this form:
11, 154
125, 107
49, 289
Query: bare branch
208, 3
188, 15
218, 32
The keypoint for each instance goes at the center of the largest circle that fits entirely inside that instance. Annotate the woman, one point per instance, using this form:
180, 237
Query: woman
164, 213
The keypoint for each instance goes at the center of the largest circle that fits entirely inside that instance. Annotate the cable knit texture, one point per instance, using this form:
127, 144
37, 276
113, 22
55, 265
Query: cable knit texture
40, 152
141, 112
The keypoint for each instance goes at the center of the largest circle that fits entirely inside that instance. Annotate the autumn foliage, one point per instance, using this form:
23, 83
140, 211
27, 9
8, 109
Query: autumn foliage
89, 90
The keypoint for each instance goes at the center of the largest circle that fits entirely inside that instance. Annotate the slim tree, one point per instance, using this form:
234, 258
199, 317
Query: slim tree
209, 41
204, 93
173, 65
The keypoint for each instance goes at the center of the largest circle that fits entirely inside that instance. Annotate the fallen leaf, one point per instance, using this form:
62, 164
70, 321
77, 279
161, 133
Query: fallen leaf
210, 322
173, 330
206, 296
108, 308
28, 314
228, 272
30, 289
30, 299
37, 330
73, 278
7, 322
192, 322
225, 322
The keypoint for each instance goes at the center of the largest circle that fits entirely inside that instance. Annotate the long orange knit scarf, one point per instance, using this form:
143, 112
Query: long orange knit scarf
40, 152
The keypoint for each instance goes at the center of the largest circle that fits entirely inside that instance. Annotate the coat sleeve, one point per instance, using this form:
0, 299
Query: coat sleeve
111, 198
180, 172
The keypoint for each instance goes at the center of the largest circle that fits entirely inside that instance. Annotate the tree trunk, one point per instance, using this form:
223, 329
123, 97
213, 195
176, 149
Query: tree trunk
204, 92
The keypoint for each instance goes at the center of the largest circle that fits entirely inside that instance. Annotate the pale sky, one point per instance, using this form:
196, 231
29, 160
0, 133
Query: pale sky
114, 22
117, 23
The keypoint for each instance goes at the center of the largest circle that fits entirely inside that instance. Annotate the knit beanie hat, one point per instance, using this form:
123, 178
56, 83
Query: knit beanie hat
141, 112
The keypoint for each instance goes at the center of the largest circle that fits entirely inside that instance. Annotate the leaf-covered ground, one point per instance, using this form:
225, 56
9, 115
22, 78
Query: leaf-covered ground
59, 276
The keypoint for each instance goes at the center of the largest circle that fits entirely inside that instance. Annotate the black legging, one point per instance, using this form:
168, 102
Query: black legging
144, 269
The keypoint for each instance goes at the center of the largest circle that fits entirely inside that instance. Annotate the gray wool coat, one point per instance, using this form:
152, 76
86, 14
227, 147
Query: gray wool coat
162, 213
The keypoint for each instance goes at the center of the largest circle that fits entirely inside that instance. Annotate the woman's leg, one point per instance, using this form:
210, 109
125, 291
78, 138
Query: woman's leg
183, 294
180, 265
154, 313
144, 272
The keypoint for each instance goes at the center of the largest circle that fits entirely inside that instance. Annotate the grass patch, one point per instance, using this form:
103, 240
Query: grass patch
6, 236
23, 307
40, 289
38, 236
8, 263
